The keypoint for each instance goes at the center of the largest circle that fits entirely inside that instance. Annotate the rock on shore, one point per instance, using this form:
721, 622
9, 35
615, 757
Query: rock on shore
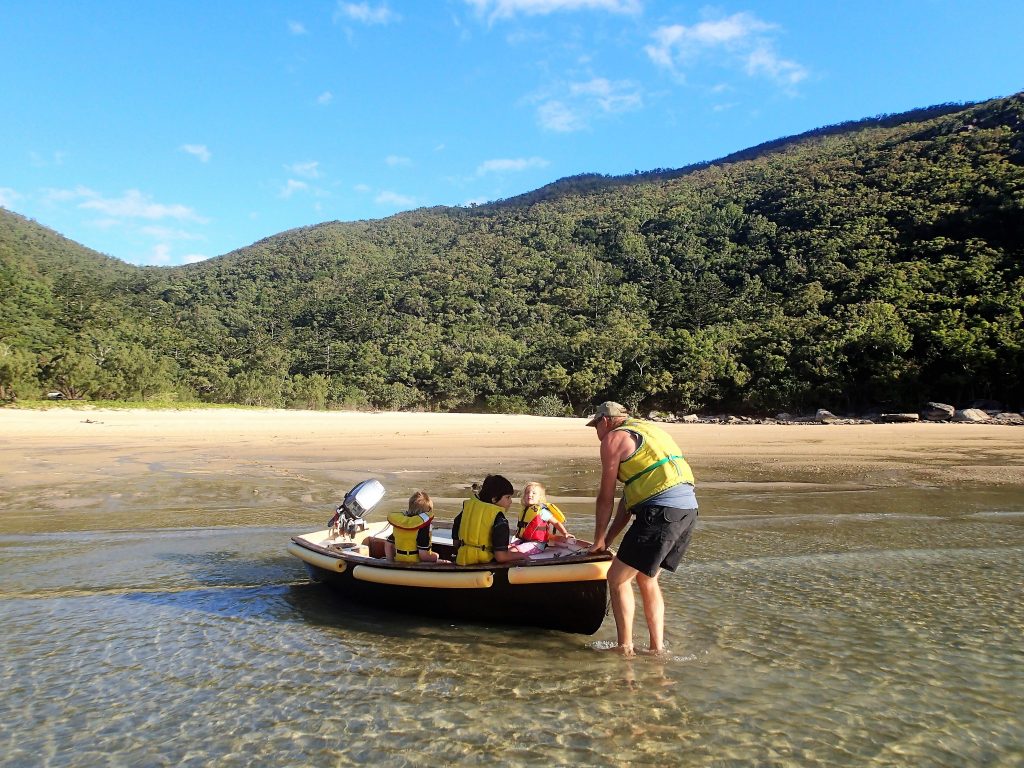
931, 412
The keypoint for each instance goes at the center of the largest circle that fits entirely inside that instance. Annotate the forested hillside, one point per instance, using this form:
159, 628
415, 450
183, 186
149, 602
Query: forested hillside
876, 263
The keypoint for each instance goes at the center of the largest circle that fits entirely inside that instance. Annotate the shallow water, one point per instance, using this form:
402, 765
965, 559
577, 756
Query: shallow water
808, 626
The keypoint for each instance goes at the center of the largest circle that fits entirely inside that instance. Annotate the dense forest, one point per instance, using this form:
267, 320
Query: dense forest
876, 263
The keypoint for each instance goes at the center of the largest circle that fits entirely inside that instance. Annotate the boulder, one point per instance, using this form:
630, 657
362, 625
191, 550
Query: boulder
898, 418
1009, 417
690, 418
937, 412
986, 405
972, 415
825, 417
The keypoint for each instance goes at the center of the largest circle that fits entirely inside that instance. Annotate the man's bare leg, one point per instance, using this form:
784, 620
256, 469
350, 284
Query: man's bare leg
620, 585
654, 609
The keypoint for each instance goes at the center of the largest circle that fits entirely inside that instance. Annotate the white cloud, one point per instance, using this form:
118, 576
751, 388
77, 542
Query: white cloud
309, 169
193, 258
741, 40
8, 196
365, 13
197, 150
395, 199
397, 160
291, 187
579, 103
506, 9
764, 61
54, 195
678, 44
160, 255
133, 204
325, 98
609, 96
297, 28
557, 116
510, 165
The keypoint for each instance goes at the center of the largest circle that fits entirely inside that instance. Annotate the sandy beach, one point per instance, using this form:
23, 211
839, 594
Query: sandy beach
64, 445
95, 469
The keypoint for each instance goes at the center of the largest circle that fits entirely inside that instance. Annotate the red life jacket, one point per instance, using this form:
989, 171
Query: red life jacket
533, 527
536, 530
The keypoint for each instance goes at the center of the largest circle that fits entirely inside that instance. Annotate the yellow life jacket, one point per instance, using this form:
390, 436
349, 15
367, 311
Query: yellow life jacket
541, 530
656, 465
475, 532
407, 528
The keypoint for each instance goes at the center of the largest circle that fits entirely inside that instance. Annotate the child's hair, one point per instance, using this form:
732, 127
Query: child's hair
494, 487
420, 502
538, 486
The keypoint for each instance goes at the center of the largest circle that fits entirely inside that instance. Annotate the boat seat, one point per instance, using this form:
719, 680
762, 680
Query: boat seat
375, 546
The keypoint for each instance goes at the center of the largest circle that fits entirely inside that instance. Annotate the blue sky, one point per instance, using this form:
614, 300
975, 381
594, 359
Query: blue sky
168, 132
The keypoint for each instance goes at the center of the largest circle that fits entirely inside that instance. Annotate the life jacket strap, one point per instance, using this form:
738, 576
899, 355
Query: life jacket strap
651, 468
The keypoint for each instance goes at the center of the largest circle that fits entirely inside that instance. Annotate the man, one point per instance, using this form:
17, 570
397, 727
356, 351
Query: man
658, 493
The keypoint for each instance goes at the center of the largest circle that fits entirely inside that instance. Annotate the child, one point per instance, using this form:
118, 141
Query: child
541, 523
410, 541
480, 531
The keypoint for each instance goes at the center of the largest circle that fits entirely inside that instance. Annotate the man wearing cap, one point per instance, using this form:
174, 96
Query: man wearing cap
658, 494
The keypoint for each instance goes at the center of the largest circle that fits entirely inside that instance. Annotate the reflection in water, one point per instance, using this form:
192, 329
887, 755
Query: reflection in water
806, 628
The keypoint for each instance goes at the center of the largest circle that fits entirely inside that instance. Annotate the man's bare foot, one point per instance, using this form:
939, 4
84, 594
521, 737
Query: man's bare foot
625, 651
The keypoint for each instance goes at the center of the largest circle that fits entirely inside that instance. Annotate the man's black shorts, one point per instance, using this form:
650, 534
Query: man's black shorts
658, 538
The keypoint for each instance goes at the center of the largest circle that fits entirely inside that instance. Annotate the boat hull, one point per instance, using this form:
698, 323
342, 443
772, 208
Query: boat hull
569, 594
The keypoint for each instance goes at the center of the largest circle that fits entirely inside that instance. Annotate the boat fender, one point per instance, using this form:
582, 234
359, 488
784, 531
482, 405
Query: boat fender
551, 574
315, 558
421, 578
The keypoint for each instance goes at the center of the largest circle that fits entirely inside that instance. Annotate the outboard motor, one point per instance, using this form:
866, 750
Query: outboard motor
348, 517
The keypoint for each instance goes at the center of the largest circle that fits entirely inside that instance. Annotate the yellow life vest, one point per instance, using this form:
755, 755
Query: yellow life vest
475, 532
407, 528
656, 465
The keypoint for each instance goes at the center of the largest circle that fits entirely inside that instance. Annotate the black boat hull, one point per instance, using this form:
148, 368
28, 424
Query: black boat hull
568, 594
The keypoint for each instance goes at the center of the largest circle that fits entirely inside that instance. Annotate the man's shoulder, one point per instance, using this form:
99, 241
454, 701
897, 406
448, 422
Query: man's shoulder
618, 440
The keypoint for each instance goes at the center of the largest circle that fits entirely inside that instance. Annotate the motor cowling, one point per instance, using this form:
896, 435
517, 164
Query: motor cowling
348, 516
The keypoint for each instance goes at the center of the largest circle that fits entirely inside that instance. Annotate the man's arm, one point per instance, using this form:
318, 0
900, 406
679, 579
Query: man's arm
615, 447
621, 518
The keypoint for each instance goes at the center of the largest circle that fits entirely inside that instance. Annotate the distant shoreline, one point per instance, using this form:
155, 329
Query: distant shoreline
1008, 418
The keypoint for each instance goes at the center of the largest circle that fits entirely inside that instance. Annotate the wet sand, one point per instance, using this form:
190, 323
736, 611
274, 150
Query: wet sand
64, 445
